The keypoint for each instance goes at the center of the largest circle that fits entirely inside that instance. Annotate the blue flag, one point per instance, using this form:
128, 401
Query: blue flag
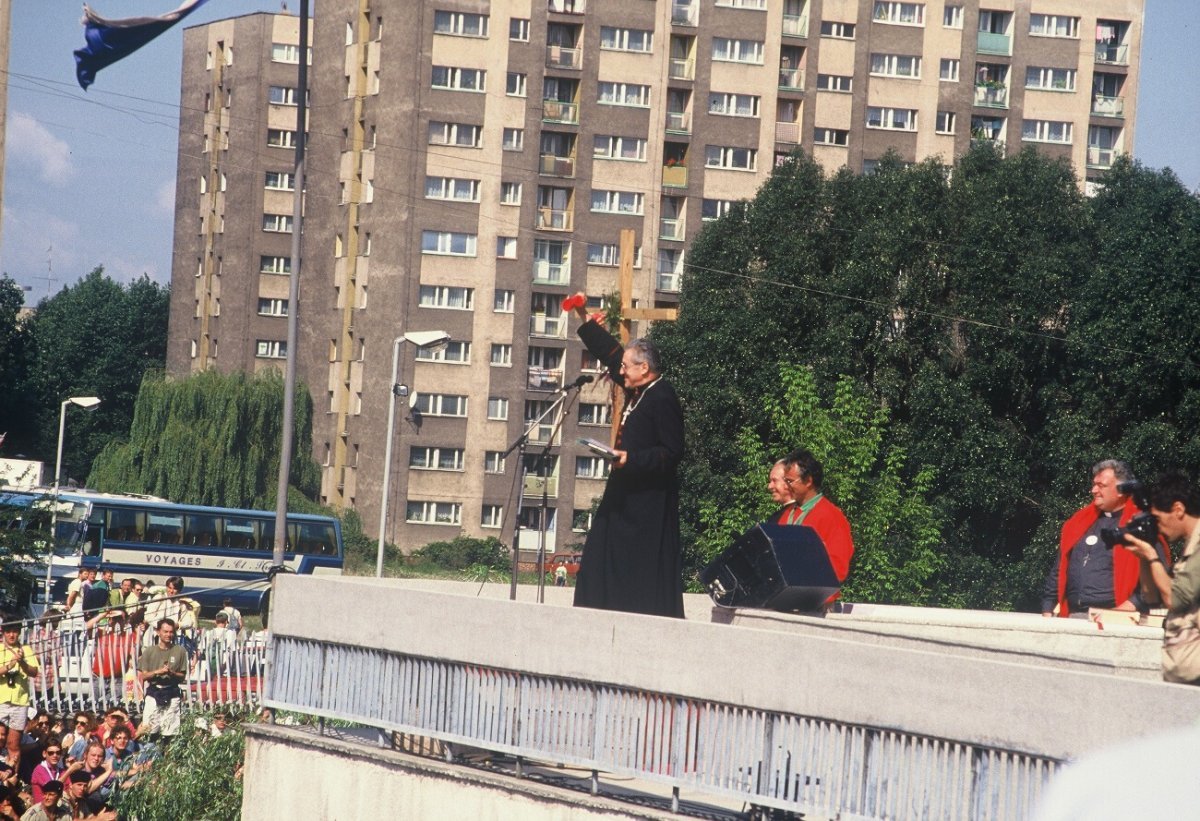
111, 40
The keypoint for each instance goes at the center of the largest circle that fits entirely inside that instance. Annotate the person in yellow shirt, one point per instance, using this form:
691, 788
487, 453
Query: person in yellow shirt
17, 664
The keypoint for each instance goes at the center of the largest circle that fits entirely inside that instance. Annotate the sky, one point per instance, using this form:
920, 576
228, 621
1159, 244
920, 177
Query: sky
90, 176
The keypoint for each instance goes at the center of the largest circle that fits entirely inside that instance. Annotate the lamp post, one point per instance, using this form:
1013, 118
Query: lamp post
422, 339
87, 403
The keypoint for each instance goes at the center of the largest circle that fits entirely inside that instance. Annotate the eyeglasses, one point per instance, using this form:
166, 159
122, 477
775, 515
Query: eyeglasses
791, 481
81, 723
53, 752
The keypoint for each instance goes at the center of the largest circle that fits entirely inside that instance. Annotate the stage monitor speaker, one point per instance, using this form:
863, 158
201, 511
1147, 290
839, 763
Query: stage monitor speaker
780, 567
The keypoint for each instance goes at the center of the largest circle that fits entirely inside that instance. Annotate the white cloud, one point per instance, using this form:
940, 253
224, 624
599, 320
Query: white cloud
164, 198
29, 142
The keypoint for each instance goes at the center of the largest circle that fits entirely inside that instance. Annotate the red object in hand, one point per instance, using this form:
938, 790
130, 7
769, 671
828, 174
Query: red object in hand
574, 301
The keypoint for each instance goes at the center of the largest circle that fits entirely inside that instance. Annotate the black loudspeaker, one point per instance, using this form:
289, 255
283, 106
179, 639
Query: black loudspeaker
780, 567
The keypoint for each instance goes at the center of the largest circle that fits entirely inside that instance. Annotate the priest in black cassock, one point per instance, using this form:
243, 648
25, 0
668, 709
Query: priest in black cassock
632, 558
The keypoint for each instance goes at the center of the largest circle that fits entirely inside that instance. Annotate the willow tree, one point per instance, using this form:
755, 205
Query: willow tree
209, 439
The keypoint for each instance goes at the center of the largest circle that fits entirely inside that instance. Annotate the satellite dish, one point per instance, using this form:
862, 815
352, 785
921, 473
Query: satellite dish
412, 400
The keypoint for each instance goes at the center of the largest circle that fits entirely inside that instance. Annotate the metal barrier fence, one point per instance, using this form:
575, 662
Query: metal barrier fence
767, 758
96, 668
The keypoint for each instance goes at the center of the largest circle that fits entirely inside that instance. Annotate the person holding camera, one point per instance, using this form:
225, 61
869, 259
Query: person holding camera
162, 667
1175, 505
1088, 572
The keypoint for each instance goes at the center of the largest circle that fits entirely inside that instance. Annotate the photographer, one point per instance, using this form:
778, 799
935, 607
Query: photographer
1175, 505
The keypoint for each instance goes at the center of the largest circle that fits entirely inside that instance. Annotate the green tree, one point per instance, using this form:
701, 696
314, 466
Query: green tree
15, 407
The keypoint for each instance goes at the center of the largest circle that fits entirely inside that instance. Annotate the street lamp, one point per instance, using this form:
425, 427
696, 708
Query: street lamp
421, 339
87, 403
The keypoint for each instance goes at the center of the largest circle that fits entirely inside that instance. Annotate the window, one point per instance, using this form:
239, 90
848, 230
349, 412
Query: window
272, 307
591, 467
948, 71
896, 65
1053, 25
281, 95
1050, 79
457, 352
831, 136
834, 82
287, 53
491, 516
506, 247
441, 404
737, 51
424, 458
1046, 131
460, 23
515, 84
446, 296
840, 31
945, 122
453, 243
275, 265
952, 17
581, 520
277, 223
760, 5
737, 159
501, 355
594, 414
714, 209
608, 147
618, 202
280, 181
630, 94
514, 139
518, 29
493, 462
609, 255
619, 39
503, 300
271, 349
434, 513
510, 193
281, 138
497, 408
459, 79
451, 188
895, 119
461, 134
903, 14
733, 105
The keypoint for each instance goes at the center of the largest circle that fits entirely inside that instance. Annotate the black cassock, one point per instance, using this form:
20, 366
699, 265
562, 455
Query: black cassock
632, 559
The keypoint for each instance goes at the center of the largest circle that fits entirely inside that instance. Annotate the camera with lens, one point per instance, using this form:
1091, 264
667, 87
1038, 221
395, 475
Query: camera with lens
1142, 526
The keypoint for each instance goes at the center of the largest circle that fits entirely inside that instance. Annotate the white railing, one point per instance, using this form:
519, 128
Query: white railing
670, 229
795, 25
683, 14
791, 78
547, 326
553, 219
680, 121
1100, 157
557, 111
563, 58
545, 379
681, 69
1108, 106
557, 166
550, 273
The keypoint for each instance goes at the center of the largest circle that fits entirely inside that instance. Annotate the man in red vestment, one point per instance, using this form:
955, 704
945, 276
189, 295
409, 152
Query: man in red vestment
803, 475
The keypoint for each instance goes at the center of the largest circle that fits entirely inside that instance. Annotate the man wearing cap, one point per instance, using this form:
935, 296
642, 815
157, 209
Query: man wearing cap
17, 664
50, 807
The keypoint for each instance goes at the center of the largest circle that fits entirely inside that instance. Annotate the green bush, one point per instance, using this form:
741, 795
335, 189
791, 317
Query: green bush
464, 551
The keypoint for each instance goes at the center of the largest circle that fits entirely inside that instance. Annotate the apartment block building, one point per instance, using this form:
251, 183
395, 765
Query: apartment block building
471, 163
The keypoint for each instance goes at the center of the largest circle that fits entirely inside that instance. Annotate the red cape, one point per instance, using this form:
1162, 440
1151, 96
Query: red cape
1126, 566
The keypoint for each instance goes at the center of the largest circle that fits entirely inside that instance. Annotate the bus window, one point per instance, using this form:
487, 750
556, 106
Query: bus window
125, 525
240, 534
316, 539
266, 538
164, 529
201, 531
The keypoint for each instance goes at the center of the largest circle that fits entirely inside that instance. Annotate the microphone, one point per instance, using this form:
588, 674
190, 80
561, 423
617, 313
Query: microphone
582, 380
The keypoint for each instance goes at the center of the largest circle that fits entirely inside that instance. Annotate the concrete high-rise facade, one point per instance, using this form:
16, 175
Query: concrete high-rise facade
471, 163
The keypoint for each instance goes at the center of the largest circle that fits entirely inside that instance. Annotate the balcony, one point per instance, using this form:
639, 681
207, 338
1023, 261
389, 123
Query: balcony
791, 78
556, 111
541, 435
566, 6
548, 327
990, 43
1112, 55
1100, 157
556, 166
683, 14
669, 282
533, 484
561, 57
991, 96
672, 229
553, 219
675, 176
787, 133
545, 379
1108, 106
795, 25
680, 69
679, 122
551, 273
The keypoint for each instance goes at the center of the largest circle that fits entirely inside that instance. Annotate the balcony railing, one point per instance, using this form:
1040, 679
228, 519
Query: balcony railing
556, 111
671, 229
683, 14
795, 25
552, 327
991, 96
791, 78
680, 69
990, 43
669, 282
545, 379
1100, 157
541, 436
787, 133
554, 219
1108, 106
563, 57
557, 166
1112, 55
533, 484
679, 122
551, 273
567, 6
675, 176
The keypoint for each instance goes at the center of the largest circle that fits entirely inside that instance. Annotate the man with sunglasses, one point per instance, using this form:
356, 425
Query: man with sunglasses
51, 769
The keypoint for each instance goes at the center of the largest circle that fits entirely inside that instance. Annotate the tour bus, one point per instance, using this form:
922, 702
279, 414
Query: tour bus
220, 552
